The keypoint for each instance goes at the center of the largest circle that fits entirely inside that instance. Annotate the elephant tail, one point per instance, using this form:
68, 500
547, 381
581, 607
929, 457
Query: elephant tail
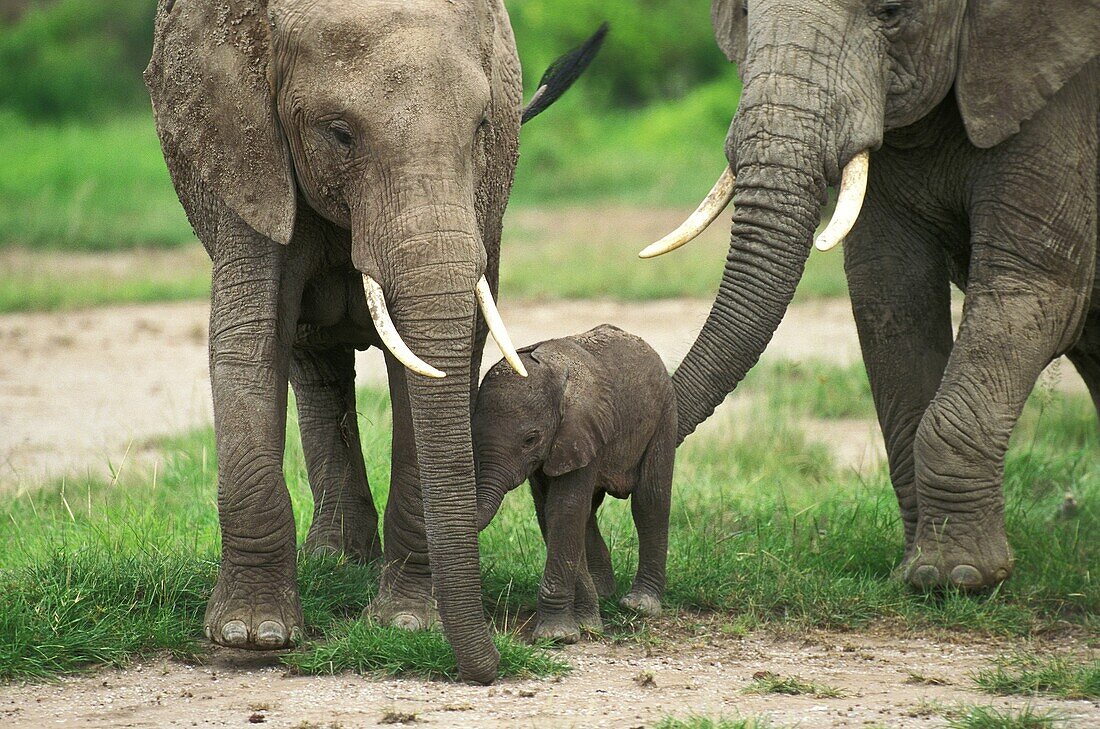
562, 73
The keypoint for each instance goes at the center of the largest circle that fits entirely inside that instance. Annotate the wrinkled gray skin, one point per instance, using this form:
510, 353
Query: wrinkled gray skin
310, 143
595, 416
982, 121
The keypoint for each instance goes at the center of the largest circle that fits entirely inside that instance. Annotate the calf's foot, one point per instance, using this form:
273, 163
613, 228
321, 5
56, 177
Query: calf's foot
557, 627
642, 602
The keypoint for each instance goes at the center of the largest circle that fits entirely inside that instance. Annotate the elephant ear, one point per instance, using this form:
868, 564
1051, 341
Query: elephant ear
728, 18
212, 98
586, 416
1014, 55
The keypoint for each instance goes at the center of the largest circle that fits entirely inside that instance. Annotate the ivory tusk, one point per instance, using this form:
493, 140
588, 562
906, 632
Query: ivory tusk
712, 206
387, 332
496, 326
849, 201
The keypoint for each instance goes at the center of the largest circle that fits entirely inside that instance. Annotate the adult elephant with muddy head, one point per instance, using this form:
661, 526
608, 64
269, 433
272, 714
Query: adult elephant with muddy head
346, 164
978, 121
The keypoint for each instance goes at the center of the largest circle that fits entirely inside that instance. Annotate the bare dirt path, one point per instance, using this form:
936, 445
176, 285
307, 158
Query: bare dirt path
886, 679
84, 391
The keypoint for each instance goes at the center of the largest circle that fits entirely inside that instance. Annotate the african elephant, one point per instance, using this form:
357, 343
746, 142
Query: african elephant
596, 416
978, 120
346, 164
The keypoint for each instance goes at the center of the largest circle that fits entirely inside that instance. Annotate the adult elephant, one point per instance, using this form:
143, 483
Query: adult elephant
346, 164
979, 123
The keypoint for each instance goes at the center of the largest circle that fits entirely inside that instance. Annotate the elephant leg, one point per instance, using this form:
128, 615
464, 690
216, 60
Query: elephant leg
649, 505
405, 598
901, 300
567, 504
255, 602
597, 555
1013, 326
1085, 356
344, 518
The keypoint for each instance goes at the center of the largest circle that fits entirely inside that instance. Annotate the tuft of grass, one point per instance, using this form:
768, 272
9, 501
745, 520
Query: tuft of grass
813, 388
766, 682
366, 647
706, 722
1032, 675
989, 717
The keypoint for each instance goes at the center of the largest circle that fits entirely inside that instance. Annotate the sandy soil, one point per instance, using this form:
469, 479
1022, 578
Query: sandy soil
887, 680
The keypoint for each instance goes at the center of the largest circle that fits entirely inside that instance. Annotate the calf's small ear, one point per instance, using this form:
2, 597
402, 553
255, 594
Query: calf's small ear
586, 422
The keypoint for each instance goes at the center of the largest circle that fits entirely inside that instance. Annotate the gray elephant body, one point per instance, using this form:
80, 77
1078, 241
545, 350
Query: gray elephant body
981, 123
313, 144
595, 416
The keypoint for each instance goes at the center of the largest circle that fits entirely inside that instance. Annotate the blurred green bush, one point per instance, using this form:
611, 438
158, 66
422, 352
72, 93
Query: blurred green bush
84, 58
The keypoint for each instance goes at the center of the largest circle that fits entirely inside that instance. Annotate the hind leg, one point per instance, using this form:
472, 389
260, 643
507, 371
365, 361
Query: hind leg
1085, 356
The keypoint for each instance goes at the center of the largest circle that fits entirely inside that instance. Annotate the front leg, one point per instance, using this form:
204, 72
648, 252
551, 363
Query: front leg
252, 318
567, 503
597, 554
344, 518
901, 299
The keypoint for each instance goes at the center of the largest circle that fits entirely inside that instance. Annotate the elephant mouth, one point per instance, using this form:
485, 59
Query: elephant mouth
391, 338
853, 189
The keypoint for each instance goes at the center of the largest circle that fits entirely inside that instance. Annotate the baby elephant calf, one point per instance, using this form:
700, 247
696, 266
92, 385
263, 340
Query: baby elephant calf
595, 416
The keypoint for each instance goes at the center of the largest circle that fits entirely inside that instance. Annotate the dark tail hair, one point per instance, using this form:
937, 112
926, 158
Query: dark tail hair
562, 73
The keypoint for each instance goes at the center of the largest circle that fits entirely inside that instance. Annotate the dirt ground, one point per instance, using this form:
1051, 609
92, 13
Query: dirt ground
887, 679
86, 390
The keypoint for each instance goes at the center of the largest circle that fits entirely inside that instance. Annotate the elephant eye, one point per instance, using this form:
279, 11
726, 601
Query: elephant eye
889, 11
341, 132
531, 438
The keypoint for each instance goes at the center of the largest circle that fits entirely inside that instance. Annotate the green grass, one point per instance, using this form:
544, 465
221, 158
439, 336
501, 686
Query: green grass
766, 682
706, 722
765, 529
1031, 675
989, 717
815, 389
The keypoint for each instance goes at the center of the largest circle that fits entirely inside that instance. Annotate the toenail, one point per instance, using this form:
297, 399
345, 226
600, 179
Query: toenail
925, 576
407, 621
965, 575
235, 632
271, 633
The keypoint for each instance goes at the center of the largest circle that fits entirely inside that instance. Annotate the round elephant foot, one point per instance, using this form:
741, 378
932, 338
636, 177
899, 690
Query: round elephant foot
557, 628
333, 542
642, 603
590, 622
404, 613
239, 615
604, 580
940, 564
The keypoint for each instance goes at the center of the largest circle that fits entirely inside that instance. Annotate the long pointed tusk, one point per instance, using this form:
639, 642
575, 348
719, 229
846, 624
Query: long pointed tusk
849, 201
712, 206
387, 332
496, 326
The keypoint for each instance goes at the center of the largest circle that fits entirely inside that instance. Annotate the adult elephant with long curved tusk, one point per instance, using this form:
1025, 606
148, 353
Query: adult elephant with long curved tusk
346, 164
963, 135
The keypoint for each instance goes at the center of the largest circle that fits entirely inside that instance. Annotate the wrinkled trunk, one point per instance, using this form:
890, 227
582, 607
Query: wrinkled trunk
436, 318
493, 485
781, 162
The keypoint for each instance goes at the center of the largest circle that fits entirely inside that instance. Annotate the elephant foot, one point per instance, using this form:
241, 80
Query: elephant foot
589, 621
410, 614
359, 545
968, 564
557, 628
642, 603
254, 617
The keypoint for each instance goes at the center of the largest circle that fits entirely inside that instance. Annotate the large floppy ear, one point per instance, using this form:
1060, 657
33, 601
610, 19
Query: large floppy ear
1014, 55
212, 98
728, 18
586, 418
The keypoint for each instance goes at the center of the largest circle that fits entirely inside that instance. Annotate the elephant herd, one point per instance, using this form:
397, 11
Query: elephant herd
346, 164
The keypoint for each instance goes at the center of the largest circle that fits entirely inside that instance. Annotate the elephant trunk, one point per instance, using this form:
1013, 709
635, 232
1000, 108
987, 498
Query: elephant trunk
436, 319
493, 484
781, 179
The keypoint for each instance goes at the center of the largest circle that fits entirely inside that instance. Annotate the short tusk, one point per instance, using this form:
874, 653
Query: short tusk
496, 326
712, 206
849, 201
387, 332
